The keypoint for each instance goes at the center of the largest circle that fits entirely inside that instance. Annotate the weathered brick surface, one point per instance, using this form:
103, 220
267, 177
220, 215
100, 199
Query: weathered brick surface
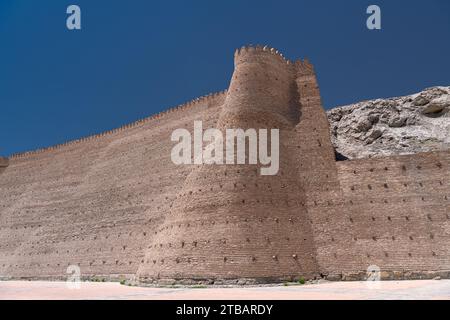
116, 205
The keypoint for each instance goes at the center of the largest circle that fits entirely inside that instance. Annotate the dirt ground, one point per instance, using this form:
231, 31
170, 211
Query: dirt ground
420, 289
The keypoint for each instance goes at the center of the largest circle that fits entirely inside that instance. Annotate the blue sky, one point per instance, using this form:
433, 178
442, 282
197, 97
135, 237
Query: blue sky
135, 58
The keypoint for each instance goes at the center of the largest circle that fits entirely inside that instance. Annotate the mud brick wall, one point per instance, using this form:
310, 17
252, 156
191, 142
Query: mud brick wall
95, 202
395, 214
115, 205
3, 164
230, 222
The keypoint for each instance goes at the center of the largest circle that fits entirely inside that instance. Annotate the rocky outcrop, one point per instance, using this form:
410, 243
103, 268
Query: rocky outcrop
402, 125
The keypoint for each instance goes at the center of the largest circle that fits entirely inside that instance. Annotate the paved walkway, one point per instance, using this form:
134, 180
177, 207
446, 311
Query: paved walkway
423, 289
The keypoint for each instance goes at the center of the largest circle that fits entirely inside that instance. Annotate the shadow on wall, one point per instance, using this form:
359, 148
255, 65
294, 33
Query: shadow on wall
4, 162
339, 156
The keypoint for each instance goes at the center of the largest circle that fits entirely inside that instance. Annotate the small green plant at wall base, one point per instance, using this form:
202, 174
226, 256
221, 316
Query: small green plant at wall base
301, 280
122, 282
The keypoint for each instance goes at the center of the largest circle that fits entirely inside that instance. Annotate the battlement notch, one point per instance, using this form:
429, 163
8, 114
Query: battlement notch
244, 51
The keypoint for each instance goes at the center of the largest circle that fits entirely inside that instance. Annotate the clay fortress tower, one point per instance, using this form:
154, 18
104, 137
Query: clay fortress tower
116, 206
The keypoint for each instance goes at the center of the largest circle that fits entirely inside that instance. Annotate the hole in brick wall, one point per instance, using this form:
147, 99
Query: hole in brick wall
393, 238
403, 168
423, 198
355, 238
421, 184
429, 217
373, 219
431, 236
371, 169
389, 218
332, 239
351, 202
419, 167
409, 254
411, 238
386, 186
351, 220
433, 253
386, 168
405, 184
385, 201
352, 188
440, 182
439, 165
374, 238
369, 187
407, 218
386, 254
253, 258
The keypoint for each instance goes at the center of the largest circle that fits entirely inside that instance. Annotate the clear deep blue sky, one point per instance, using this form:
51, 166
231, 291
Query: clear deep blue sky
135, 58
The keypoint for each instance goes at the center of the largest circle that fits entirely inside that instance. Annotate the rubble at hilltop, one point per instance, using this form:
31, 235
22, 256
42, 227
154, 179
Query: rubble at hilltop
402, 125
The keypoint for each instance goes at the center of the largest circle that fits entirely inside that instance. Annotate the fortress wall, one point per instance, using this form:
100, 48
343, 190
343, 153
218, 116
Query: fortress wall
395, 214
260, 91
96, 202
115, 204
3, 164
316, 164
229, 222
